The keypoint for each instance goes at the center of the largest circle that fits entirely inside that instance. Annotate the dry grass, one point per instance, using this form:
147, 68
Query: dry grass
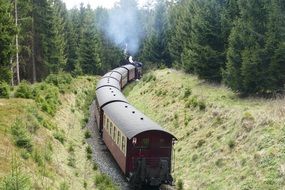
233, 143
47, 166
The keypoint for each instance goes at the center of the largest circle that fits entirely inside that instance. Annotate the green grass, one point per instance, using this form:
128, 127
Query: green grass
224, 141
48, 146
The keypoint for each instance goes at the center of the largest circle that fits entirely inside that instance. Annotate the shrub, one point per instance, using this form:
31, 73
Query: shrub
38, 157
4, 90
187, 93
71, 161
47, 97
149, 77
231, 143
59, 79
103, 182
179, 184
64, 186
87, 134
59, 136
16, 181
89, 150
201, 105
95, 166
194, 102
21, 136
24, 90
71, 148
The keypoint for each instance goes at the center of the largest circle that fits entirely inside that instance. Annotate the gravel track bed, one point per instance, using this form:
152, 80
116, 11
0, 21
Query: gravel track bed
101, 154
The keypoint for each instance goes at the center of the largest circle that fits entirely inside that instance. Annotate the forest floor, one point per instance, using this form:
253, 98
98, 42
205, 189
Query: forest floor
224, 141
59, 157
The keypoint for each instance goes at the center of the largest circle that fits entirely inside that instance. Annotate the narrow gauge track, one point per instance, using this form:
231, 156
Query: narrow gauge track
141, 148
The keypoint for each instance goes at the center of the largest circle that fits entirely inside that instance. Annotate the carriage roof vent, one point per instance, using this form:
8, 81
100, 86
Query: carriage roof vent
133, 112
141, 118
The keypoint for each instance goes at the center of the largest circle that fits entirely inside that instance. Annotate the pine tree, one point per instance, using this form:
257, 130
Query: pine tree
7, 33
247, 68
56, 57
206, 47
89, 49
275, 46
155, 47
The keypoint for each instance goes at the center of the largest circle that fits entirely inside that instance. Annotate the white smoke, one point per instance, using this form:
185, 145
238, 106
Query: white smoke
124, 26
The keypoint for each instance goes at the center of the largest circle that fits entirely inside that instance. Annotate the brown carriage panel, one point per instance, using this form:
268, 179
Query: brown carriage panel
159, 146
115, 150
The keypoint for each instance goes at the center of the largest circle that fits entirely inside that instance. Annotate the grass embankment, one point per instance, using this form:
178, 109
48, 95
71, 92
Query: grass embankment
42, 139
224, 142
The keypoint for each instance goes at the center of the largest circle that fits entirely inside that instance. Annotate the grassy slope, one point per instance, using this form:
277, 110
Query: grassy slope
232, 144
51, 165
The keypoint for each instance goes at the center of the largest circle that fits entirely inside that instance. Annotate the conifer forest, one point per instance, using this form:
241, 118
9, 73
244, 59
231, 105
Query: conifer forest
239, 43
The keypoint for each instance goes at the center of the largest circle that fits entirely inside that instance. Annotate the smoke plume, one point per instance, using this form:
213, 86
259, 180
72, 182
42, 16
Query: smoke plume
124, 26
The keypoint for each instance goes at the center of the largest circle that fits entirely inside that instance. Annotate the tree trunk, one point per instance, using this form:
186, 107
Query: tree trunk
33, 51
17, 45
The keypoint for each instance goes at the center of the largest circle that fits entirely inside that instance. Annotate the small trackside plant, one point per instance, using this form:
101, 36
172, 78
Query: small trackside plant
47, 97
187, 93
21, 135
24, 90
103, 182
87, 134
59, 136
61, 80
149, 77
179, 184
4, 90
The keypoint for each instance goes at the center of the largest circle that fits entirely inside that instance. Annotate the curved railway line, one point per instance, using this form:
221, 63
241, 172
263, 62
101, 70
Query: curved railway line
140, 147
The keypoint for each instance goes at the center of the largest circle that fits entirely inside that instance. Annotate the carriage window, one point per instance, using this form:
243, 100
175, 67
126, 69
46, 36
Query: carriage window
123, 144
110, 132
145, 143
114, 133
118, 137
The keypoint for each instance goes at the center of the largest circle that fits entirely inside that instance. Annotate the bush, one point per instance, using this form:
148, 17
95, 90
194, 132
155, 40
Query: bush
187, 93
231, 143
21, 136
16, 181
4, 90
103, 182
89, 150
64, 186
47, 97
24, 90
59, 136
71, 161
60, 80
87, 134
149, 77
38, 157
194, 102
179, 184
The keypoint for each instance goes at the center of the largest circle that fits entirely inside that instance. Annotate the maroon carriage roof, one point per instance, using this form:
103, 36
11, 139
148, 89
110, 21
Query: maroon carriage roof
130, 120
129, 67
106, 95
108, 81
122, 71
114, 75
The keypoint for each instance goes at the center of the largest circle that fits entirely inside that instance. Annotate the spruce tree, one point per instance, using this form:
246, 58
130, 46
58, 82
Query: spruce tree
7, 33
207, 50
89, 49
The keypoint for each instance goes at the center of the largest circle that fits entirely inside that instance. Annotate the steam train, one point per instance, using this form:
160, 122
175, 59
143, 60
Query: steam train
142, 149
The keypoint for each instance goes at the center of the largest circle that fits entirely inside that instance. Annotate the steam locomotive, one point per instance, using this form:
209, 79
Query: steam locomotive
142, 149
